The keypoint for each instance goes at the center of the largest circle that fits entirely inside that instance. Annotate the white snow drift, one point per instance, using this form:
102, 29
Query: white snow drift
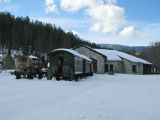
101, 97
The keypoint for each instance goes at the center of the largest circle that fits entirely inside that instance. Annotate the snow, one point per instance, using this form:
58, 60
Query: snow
73, 52
109, 54
1, 57
33, 57
100, 97
115, 55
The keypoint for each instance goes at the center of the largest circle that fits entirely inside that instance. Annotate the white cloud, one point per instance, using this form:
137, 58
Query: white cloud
75, 5
146, 33
50, 6
110, 1
128, 31
5, 1
106, 17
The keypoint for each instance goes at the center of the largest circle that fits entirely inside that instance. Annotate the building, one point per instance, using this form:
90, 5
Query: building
113, 61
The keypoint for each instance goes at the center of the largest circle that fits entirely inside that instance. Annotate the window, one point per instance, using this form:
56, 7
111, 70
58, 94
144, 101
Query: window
78, 64
134, 68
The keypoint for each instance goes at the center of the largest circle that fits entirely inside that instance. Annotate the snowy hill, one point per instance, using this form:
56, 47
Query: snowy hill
101, 97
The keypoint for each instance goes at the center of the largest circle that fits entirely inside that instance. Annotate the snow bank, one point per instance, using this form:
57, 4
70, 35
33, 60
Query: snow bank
101, 97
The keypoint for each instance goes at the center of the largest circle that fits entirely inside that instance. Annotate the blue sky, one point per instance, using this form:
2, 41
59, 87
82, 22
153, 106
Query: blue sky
126, 22
142, 10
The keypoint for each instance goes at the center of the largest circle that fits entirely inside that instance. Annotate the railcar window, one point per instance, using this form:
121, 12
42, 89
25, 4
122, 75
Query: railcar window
78, 65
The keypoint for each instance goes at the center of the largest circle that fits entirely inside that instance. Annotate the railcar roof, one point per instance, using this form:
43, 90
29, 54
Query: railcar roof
73, 52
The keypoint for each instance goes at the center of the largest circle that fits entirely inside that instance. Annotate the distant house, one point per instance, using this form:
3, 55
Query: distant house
115, 61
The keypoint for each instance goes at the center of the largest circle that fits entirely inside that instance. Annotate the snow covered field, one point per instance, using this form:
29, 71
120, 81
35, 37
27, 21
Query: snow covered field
101, 97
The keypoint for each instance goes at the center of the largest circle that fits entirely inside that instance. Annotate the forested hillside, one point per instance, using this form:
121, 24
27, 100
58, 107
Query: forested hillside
152, 54
21, 32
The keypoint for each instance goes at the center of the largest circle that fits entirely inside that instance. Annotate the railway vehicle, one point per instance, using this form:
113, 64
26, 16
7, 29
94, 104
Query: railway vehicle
68, 64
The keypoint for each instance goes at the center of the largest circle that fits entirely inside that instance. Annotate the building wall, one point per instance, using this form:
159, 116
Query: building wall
140, 68
91, 54
128, 67
117, 66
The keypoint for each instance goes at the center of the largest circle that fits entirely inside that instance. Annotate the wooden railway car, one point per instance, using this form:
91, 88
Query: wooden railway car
28, 66
68, 64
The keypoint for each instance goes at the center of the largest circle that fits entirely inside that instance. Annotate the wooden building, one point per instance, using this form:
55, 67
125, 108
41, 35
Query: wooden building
113, 61
68, 64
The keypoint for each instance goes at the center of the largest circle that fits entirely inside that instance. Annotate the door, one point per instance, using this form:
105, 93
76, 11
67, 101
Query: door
106, 68
111, 68
60, 65
95, 66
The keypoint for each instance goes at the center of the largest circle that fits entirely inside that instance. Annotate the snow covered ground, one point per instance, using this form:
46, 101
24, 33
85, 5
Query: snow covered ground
101, 97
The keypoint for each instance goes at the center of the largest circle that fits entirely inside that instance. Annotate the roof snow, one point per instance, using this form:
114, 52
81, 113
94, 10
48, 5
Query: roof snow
115, 55
73, 52
33, 57
109, 54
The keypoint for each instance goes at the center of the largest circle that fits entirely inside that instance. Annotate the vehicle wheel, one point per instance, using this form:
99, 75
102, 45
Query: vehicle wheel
40, 76
49, 78
30, 76
18, 76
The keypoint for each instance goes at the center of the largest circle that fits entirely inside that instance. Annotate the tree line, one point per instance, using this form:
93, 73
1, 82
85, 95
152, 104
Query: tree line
21, 33
152, 54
